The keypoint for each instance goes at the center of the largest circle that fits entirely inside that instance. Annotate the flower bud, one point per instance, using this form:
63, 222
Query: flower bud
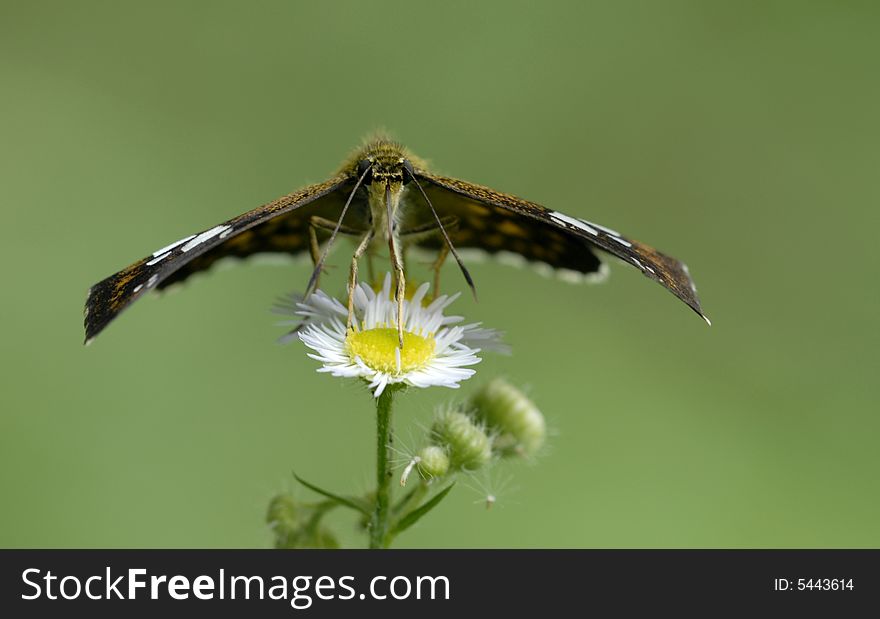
518, 425
465, 442
294, 525
433, 462
283, 513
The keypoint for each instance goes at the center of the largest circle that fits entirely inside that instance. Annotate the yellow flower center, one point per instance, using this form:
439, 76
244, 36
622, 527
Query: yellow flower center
377, 348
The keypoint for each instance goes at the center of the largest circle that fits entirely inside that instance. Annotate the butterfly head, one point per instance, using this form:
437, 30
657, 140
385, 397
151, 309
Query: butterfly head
382, 162
384, 168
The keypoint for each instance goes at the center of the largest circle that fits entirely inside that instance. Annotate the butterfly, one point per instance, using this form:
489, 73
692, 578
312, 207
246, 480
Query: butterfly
383, 195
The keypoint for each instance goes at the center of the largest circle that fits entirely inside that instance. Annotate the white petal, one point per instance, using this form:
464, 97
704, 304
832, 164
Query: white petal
456, 347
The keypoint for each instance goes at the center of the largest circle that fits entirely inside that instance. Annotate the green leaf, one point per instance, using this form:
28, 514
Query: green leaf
415, 515
355, 503
402, 502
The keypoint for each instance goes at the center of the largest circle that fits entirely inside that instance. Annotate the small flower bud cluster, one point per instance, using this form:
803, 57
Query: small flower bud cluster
297, 525
433, 462
517, 425
498, 420
466, 442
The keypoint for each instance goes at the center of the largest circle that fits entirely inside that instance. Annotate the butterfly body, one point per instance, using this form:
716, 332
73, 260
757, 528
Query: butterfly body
386, 197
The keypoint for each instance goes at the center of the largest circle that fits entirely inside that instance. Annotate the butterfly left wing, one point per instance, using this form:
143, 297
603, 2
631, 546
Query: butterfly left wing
499, 221
277, 226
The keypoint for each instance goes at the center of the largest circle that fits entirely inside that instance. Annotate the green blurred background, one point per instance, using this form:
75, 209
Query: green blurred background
741, 137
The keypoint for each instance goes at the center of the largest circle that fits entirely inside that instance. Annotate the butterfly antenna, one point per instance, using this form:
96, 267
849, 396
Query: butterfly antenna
452, 250
313, 280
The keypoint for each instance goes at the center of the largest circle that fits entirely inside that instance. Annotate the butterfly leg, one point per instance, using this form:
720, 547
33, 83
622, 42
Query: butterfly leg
314, 249
426, 231
419, 233
353, 274
400, 279
438, 264
326, 225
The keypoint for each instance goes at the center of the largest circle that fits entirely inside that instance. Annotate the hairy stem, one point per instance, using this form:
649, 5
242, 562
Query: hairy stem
379, 525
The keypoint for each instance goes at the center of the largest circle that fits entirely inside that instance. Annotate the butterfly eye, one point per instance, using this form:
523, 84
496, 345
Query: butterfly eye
410, 173
363, 166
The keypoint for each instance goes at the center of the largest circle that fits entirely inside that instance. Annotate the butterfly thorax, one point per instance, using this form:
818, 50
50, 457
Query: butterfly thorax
384, 169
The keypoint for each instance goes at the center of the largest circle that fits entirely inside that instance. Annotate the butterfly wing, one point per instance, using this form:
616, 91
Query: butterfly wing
495, 221
279, 226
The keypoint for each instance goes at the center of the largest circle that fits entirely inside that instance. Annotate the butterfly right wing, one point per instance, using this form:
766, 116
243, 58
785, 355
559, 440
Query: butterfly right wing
495, 221
239, 236
505, 234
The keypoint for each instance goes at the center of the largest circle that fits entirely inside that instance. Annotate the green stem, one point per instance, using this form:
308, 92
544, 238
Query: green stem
379, 527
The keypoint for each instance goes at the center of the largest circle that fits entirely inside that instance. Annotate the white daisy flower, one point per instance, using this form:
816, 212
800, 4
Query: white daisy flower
437, 351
